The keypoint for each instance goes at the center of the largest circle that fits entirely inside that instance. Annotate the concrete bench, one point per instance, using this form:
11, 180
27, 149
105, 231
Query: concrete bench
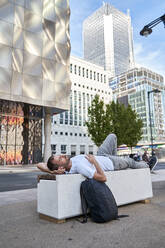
60, 198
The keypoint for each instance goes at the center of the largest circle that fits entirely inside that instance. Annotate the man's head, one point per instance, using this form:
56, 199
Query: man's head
58, 161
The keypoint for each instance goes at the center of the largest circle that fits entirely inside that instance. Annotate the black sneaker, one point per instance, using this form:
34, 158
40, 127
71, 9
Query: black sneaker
152, 162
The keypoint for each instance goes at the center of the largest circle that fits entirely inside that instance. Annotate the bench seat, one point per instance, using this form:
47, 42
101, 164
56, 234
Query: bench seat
60, 198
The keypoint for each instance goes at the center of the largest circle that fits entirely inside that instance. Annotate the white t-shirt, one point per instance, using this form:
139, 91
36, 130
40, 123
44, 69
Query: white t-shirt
82, 166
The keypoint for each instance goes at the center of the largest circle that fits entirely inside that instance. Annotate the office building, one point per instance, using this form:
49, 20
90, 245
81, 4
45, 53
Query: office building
107, 39
69, 133
132, 87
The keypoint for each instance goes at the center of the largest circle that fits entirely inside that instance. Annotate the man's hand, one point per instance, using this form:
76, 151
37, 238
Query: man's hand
58, 172
99, 174
90, 158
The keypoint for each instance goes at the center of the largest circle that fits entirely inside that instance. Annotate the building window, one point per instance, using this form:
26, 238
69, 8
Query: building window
70, 68
80, 134
66, 134
63, 149
94, 75
101, 78
53, 149
104, 79
98, 77
75, 69
83, 72
71, 134
79, 71
90, 74
87, 73
66, 117
56, 133
90, 149
61, 119
82, 149
75, 134
61, 133
73, 150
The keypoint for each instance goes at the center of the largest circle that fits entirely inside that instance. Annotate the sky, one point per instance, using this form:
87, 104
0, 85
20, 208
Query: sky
149, 51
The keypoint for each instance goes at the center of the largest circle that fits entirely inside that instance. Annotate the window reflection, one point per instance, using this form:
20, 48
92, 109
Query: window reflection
20, 133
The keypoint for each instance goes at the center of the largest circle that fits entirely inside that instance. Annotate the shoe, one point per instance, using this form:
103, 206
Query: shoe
152, 162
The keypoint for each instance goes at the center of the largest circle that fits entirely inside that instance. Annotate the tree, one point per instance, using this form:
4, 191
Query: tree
113, 118
117, 115
97, 124
133, 132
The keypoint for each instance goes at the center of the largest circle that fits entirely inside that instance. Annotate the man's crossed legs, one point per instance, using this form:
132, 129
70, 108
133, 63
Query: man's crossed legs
109, 149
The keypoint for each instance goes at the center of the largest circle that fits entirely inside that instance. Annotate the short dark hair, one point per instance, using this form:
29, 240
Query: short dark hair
52, 166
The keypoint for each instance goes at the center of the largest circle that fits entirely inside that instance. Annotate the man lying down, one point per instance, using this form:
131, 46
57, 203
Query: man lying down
92, 166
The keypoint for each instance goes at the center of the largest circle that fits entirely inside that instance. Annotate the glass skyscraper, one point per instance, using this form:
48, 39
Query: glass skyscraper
107, 39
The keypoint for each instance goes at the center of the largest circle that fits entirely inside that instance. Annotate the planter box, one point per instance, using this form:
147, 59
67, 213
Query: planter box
60, 198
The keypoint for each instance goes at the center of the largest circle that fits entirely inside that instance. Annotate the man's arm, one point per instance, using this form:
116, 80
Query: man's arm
43, 167
99, 174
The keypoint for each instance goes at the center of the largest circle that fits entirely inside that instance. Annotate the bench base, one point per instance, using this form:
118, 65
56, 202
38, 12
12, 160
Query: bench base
51, 219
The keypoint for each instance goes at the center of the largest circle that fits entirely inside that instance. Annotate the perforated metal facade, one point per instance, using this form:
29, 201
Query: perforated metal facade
34, 52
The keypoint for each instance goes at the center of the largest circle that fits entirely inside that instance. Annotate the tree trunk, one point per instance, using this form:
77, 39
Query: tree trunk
47, 134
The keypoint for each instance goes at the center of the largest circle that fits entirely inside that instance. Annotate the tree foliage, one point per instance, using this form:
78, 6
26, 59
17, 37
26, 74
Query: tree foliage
113, 118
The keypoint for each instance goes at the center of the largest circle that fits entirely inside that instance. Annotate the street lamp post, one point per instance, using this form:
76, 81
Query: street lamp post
148, 28
149, 107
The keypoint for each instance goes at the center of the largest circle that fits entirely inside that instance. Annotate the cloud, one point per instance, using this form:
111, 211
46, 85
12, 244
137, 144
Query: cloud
150, 59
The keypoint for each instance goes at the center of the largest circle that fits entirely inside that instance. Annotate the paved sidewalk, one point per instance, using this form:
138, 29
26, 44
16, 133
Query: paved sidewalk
20, 226
158, 175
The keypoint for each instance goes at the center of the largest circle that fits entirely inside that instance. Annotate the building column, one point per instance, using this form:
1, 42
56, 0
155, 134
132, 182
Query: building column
47, 134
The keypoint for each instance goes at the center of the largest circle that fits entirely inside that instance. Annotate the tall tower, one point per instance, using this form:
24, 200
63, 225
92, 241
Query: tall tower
107, 39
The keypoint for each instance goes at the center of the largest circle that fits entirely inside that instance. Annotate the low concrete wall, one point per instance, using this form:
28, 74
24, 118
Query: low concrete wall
60, 199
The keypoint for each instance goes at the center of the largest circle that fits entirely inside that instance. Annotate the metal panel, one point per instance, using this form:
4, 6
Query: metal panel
33, 43
48, 90
18, 41
61, 53
20, 2
17, 60
61, 36
7, 12
5, 79
48, 48
61, 74
16, 86
6, 55
34, 46
6, 33
35, 6
49, 29
49, 9
32, 22
32, 65
19, 16
62, 4
61, 15
32, 87
61, 92
48, 69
